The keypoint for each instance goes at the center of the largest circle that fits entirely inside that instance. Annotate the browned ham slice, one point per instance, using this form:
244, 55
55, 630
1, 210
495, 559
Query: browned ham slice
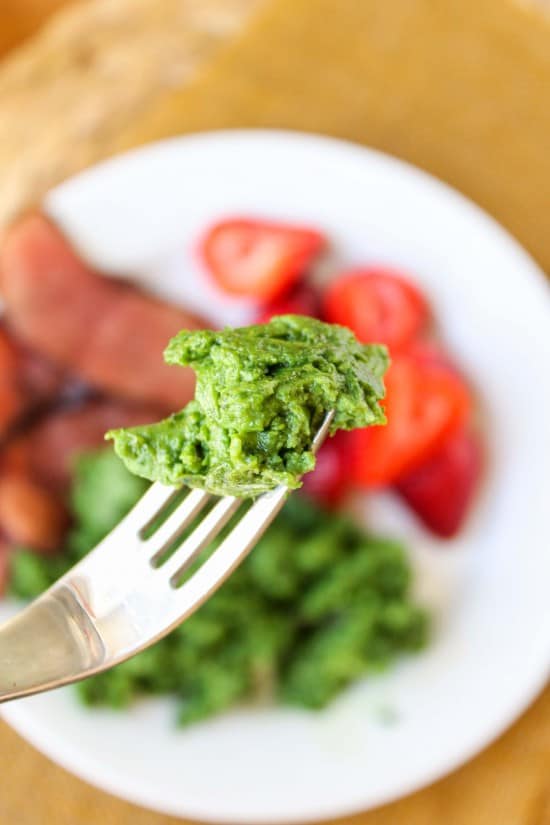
5, 552
26, 379
31, 515
11, 399
46, 451
35, 469
109, 333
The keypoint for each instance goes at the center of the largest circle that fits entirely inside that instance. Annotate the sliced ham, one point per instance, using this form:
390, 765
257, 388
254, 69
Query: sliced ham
36, 468
46, 451
5, 552
39, 377
15, 457
26, 379
30, 515
125, 356
11, 397
110, 333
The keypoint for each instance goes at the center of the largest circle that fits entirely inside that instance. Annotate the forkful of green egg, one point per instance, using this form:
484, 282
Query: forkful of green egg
266, 398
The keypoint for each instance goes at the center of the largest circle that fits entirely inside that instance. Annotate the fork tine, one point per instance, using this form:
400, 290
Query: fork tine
150, 504
200, 538
159, 495
230, 553
235, 547
176, 523
322, 432
113, 604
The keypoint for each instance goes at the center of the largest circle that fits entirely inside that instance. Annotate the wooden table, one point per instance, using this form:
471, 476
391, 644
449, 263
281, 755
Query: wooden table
508, 784
21, 18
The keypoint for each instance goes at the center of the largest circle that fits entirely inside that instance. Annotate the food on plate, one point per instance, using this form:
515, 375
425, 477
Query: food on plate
36, 468
46, 449
428, 402
11, 398
441, 490
378, 304
30, 514
331, 481
428, 350
321, 601
5, 554
301, 300
101, 493
262, 394
109, 332
261, 259
27, 379
425, 404
317, 604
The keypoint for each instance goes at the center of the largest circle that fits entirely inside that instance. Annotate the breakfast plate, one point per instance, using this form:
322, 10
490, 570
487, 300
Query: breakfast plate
137, 215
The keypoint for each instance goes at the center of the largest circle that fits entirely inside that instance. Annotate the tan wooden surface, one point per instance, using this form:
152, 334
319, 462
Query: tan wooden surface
67, 92
508, 784
21, 18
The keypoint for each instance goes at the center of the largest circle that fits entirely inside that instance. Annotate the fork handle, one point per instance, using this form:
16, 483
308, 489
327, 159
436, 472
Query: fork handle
50, 643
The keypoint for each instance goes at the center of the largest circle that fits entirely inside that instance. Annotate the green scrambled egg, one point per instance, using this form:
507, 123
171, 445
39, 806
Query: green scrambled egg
318, 604
262, 393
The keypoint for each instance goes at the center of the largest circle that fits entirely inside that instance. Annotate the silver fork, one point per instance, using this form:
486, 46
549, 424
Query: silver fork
121, 597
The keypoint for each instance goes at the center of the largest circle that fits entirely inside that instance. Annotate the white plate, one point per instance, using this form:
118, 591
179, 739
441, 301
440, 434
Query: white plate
489, 589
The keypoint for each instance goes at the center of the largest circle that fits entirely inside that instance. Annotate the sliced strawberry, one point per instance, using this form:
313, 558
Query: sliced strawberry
378, 304
261, 259
431, 351
330, 480
440, 491
424, 404
302, 300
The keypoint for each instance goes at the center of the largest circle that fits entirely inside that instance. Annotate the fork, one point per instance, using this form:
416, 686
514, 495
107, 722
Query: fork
124, 595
